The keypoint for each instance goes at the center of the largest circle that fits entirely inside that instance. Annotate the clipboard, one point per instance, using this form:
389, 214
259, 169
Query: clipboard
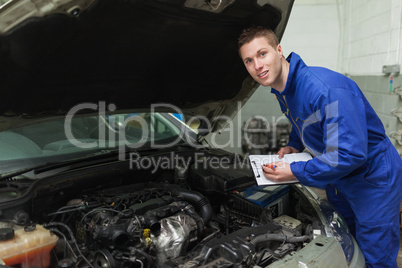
257, 161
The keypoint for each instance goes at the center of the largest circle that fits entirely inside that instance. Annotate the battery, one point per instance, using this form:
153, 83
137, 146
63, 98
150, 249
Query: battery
273, 197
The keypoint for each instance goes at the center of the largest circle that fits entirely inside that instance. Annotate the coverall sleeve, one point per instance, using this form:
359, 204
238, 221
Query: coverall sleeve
294, 140
345, 136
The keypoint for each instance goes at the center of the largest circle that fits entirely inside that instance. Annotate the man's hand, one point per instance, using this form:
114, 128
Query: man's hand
278, 171
287, 150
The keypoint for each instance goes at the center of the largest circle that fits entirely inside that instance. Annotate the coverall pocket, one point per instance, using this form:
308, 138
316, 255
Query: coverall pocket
377, 171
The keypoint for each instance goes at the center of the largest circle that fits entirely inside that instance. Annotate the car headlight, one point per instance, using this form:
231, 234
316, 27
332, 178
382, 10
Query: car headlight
334, 224
340, 231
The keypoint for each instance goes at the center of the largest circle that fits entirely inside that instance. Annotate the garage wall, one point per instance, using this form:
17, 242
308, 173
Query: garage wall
384, 102
371, 37
313, 33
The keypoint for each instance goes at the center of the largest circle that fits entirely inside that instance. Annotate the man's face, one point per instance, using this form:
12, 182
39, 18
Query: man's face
262, 61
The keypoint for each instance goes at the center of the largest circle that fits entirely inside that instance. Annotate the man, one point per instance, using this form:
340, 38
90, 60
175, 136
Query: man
354, 160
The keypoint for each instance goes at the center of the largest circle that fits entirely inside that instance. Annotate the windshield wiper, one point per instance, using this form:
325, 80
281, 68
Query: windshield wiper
54, 165
83, 161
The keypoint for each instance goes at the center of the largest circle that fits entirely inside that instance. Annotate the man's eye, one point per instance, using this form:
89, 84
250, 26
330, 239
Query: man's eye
263, 54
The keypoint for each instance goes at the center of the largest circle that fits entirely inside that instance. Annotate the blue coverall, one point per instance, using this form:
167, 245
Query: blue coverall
354, 160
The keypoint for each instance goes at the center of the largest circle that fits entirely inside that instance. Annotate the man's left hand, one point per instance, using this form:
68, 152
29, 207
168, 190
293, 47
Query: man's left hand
278, 171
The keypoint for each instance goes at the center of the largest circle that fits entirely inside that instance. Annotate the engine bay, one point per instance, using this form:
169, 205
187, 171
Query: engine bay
196, 217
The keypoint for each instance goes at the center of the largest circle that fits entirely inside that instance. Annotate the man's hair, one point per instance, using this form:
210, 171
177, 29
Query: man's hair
249, 34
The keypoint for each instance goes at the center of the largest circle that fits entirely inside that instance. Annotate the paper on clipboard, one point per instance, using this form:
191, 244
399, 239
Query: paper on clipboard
257, 161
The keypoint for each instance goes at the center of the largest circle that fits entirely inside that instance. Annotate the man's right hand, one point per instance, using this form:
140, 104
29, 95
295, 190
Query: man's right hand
287, 150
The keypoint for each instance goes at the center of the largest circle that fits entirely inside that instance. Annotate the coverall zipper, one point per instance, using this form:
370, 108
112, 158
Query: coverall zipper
301, 137
298, 129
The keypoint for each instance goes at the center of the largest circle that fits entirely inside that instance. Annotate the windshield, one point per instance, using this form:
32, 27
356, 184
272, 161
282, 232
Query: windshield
43, 141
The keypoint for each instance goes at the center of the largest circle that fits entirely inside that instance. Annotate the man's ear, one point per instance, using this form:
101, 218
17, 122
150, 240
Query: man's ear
279, 49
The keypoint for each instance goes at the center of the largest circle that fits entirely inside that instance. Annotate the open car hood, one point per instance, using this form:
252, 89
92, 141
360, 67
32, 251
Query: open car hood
130, 53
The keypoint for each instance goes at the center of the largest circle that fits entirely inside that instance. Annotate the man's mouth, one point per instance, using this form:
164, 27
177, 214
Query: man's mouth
263, 74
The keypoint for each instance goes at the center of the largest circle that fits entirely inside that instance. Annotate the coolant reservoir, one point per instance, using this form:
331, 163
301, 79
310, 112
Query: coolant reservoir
29, 247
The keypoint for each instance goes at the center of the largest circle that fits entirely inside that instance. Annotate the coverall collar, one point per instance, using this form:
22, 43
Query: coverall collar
296, 64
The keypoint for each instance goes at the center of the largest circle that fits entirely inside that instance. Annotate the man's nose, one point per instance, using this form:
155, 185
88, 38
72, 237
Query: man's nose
257, 64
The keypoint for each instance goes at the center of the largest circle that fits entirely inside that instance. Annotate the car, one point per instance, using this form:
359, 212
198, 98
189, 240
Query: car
108, 111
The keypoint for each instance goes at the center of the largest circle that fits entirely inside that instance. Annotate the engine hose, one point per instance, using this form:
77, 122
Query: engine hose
279, 237
189, 210
72, 237
200, 202
150, 261
56, 231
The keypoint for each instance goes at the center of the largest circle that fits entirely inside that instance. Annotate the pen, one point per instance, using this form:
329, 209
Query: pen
269, 166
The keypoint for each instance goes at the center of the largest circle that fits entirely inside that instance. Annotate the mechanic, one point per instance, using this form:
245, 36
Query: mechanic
353, 158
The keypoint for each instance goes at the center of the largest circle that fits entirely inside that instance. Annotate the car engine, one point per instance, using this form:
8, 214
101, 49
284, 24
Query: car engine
198, 217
